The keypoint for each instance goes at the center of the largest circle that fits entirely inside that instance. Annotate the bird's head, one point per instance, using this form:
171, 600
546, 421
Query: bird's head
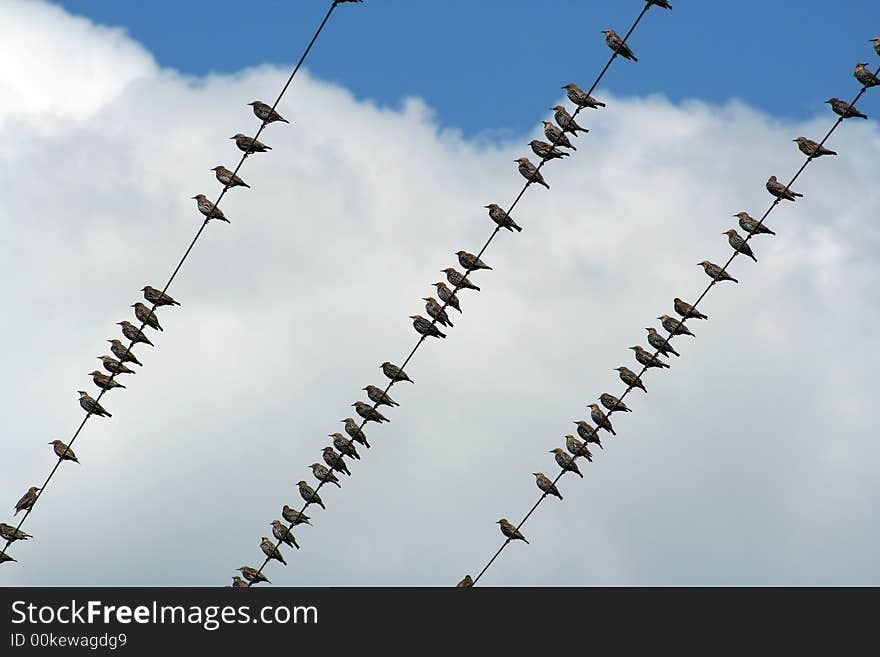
94, 373
730, 233
569, 86
254, 102
301, 483
742, 215
218, 167
503, 521
702, 264
608, 32
832, 100
558, 108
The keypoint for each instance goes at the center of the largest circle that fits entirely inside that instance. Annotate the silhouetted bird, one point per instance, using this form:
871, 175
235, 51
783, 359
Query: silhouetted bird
63, 452
309, 494
588, 433
648, 359
158, 297
811, 148
566, 121
617, 45
500, 217
510, 531
253, 575
344, 445
686, 310
114, 366
447, 296
715, 272
674, 326
90, 405
530, 172
630, 378
335, 461
738, 244
780, 191
556, 136
659, 343
459, 280
355, 433
544, 483
844, 109
269, 549
470, 262
283, 534
294, 517
228, 178
145, 316
564, 461
369, 413
580, 97
10, 534
612, 403
133, 333
379, 396
322, 474
601, 419
577, 448
249, 144
394, 373
466, 583
545, 151
752, 225
436, 311
266, 113
122, 352
208, 208
27, 500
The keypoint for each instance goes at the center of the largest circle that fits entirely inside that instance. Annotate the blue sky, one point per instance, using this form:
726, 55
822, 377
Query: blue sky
483, 66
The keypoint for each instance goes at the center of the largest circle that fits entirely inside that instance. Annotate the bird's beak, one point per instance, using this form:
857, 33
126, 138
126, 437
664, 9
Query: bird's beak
192, 197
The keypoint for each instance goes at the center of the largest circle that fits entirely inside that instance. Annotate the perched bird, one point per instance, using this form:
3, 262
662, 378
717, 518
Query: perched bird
459, 280
104, 382
780, 191
556, 136
369, 413
10, 534
648, 359
269, 549
146, 316
122, 352
580, 97
465, 583
133, 333
426, 328
844, 109
27, 500
249, 145
228, 178
208, 208
630, 378
238, 582
588, 433
309, 494
601, 419
577, 448
266, 113
617, 45
510, 531
334, 460
659, 343
436, 311
566, 121
447, 296
545, 151
355, 433
564, 461
876, 42
738, 244
5, 557
394, 373
612, 403
89, 405
283, 534
294, 517
674, 326
500, 217
660, 3
544, 483
379, 396
114, 366
253, 575
686, 310
63, 452
752, 225
812, 149
470, 262
345, 446
715, 272
530, 172
324, 475
158, 297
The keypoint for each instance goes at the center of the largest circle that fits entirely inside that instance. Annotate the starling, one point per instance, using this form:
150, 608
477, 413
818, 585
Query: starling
557, 137
470, 262
89, 405
114, 366
511, 532
751, 225
660, 3
63, 452
715, 272
309, 495
133, 333
630, 378
876, 42
500, 217
530, 172
865, 77
844, 109
618, 46
334, 460
9, 533
249, 145
369, 413
544, 483
345, 446
283, 534
253, 575
294, 517
238, 583
436, 311
447, 296
269, 549
565, 462
324, 475
580, 97
208, 208
122, 352
686, 310
228, 178
738, 244
780, 191
812, 149
146, 316
355, 432
459, 280
265, 112
426, 328
379, 396
566, 121
158, 297
674, 326
394, 373
612, 403
659, 343
27, 500
588, 433
601, 419
577, 448
465, 583
5, 557
648, 359
545, 151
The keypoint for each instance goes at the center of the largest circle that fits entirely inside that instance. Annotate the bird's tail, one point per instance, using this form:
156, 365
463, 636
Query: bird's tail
517, 227
600, 104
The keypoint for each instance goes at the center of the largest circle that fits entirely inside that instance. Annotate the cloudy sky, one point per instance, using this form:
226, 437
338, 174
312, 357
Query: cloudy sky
752, 461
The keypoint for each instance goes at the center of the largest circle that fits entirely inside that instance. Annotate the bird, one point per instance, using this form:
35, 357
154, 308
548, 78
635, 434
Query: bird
738, 244
324, 475
426, 328
580, 97
379, 396
447, 296
544, 483
470, 262
566, 121
355, 433
283, 534
865, 76
249, 145
10, 534
334, 460
588, 433
780, 191
208, 208
369, 413
27, 500
104, 382
715, 272
751, 225
612, 403
435, 310
459, 280
122, 352
238, 582
114, 366
146, 316
577, 448
876, 42
630, 378
466, 583
269, 549
394, 373
228, 178
500, 217
63, 452
90, 405
601, 419
344, 445
511, 532
686, 310
812, 149
530, 172
617, 45
253, 575
545, 151
556, 136
660, 3
648, 359
266, 113
309, 495
294, 517
659, 343
133, 333
844, 109
157, 297
566, 462
674, 326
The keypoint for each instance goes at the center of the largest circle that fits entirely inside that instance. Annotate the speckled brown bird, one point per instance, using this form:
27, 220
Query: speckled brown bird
566, 121
62, 451
547, 486
458, 280
500, 217
844, 109
510, 531
394, 373
114, 366
556, 136
617, 45
249, 145
580, 97
379, 396
344, 445
600, 419
752, 226
27, 500
334, 460
659, 343
265, 113
578, 448
426, 328
811, 148
780, 191
530, 172
648, 359
674, 326
324, 475
122, 352
103, 381
269, 549
208, 208
545, 151
369, 413
470, 262
228, 178
566, 462
133, 333
309, 495
146, 316
157, 297
612, 403
294, 517
466, 582
435, 310
10, 534
90, 405
447, 296
738, 244
283, 534
715, 272
588, 433
630, 378
355, 432
253, 575
686, 310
